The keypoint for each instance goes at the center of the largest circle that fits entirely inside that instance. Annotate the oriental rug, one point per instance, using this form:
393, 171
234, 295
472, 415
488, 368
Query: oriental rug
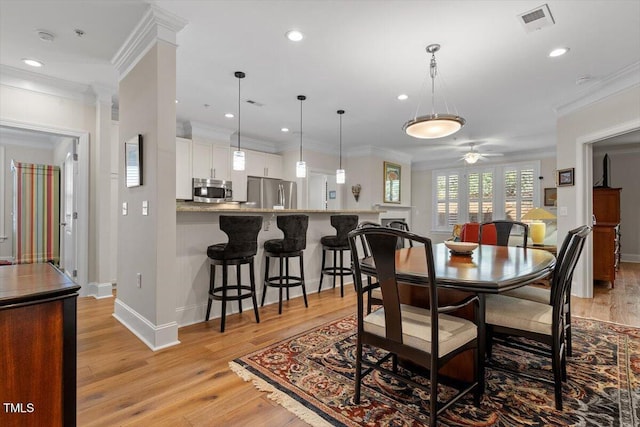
312, 375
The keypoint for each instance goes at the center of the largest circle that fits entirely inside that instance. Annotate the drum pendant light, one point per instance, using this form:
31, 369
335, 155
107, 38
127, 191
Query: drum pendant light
301, 166
433, 125
238, 155
340, 175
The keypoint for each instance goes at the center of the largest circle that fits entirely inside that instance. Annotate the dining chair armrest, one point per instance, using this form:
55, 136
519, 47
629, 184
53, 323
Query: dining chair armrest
468, 300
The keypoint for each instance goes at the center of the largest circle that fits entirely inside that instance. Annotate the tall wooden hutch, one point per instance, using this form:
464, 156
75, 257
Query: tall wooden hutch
606, 233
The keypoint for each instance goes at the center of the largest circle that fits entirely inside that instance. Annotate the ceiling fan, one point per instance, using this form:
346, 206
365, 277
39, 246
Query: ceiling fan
472, 156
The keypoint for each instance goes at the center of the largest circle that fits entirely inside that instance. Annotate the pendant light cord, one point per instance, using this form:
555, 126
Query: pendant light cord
340, 140
238, 114
300, 127
433, 71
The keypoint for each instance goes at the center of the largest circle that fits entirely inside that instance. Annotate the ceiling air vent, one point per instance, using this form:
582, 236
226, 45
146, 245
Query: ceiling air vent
256, 103
536, 19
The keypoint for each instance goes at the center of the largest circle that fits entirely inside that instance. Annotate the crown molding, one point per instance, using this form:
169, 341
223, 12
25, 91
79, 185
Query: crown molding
157, 24
383, 153
616, 82
104, 93
39, 83
198, 129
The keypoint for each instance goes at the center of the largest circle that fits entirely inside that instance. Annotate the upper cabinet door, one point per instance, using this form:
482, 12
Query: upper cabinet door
183, 169
201, 155
220, 162
273, 165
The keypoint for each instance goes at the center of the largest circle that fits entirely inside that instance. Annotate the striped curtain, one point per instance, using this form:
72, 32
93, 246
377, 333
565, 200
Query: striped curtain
36, 213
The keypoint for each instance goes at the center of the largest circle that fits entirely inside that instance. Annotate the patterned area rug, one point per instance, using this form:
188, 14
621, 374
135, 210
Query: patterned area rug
312, 374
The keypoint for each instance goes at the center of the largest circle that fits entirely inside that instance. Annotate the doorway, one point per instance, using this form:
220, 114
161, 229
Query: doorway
323, 191
79, 149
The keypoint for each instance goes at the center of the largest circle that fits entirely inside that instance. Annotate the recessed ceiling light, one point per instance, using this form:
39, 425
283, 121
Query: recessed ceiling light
284, 130
403, 97
294, 35
32, 62
45, 36
558, 52
176, 101
229, 115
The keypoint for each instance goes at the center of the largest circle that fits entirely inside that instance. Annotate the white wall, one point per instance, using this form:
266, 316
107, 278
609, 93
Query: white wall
617, 113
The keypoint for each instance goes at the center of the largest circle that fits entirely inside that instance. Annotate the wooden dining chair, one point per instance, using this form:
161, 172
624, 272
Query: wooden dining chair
502, 232
400, 225
428, 338
508, 317
374, 295
543, 295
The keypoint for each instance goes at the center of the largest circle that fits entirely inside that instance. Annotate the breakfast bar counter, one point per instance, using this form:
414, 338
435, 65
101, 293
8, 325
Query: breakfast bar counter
198, 227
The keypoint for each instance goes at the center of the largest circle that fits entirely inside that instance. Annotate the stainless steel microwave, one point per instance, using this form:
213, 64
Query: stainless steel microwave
207, 190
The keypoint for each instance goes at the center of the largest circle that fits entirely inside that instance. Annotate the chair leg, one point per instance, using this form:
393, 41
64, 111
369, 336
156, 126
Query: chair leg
266, 277
341, 275
304, 288
433, 398
286, 274
212, 284
239, 283
334, 268
358, 377
252, 280
324, 256
280, 289
556, 364
224, 296
567, 334
489, 339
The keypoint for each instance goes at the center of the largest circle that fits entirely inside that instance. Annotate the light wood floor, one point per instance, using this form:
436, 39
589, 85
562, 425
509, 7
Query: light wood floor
123, 383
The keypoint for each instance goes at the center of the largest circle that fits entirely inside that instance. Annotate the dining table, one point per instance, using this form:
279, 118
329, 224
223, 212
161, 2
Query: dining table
488, 269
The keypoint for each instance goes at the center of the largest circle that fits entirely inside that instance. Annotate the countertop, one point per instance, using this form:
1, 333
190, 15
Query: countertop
237, 208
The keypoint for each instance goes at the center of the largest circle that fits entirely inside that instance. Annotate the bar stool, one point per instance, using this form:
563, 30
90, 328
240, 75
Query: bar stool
294, 242
242, 232
337, 244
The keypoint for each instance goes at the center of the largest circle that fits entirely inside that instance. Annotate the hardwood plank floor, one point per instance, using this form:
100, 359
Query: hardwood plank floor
123, 383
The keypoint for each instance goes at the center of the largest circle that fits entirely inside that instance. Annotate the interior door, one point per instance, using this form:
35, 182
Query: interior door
68, 258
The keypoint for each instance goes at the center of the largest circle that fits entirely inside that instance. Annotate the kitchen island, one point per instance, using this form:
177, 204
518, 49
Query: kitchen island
198, 227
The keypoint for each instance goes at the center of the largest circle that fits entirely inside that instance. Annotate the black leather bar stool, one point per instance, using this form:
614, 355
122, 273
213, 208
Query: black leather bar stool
294, 242
337, 244
241, 248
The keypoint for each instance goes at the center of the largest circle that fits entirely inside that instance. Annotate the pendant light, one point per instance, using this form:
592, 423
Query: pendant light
301, 166
340, 175
433, 125
238, 155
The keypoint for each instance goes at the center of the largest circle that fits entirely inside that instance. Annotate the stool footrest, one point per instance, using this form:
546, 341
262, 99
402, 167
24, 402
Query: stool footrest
337, 271
232, 294
292, 281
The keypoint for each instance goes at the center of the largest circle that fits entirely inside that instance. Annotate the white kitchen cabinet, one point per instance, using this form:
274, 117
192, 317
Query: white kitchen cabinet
183, 168
210, 161
263, 164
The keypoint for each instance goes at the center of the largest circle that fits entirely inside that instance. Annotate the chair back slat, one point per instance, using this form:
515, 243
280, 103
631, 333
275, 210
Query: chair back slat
565, 265
503, 231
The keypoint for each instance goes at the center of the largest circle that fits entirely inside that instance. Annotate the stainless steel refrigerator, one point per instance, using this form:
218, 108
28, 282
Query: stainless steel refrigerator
269, 192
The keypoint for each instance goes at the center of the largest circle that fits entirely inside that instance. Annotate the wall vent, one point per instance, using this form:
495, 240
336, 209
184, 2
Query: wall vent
536, 19
256, 103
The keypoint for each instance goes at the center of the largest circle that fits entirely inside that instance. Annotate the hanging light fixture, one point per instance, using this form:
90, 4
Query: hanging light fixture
301, 166
238, 155
340, 175
433, 125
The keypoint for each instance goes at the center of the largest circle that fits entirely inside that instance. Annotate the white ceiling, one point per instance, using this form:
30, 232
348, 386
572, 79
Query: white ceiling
358, 55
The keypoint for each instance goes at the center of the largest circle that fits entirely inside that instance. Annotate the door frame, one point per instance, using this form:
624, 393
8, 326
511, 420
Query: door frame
584, 154
82, 190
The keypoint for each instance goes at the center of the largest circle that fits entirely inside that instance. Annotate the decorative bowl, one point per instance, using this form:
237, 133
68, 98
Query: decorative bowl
460, 247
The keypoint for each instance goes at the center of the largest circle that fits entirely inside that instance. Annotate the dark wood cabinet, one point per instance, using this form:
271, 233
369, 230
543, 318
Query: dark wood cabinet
37, 346
606, 233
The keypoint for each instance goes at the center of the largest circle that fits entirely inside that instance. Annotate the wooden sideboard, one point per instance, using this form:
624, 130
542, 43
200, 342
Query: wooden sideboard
606, 233
37, 346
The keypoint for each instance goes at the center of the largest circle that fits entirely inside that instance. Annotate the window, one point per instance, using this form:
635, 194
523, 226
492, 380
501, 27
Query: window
480, 196
484, 194
447, 200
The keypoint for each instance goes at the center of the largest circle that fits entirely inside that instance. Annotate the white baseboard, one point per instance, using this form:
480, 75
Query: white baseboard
7, 258
156, 337
99, 290
629, 257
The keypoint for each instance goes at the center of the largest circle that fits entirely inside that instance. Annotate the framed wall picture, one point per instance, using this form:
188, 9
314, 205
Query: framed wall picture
550, 196
133, 161
565, 177
332, 194
392, 180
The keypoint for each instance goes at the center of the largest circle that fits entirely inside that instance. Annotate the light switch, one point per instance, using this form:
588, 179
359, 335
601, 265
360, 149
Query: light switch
562, 211
124, 208
145, 207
